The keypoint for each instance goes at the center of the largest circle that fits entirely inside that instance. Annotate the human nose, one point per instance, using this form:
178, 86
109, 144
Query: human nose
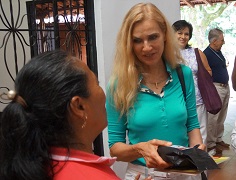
182, 36
147, 46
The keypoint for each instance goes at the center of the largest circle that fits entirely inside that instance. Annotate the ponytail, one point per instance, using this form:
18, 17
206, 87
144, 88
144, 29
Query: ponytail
23, 151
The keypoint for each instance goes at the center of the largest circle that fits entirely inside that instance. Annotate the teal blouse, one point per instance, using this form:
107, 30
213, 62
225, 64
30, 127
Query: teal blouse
166, 116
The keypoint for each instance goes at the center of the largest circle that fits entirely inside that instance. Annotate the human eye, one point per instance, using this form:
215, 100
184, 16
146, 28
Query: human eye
137, 40
186, 34
153, 37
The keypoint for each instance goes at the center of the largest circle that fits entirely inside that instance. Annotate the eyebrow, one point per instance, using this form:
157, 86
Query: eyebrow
156, 33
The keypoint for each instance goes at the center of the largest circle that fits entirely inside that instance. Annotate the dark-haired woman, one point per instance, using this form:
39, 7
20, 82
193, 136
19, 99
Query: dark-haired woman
183, 32
47, 130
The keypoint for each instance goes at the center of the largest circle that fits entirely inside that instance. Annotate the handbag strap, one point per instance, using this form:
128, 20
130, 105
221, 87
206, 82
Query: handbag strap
203, 175
199, 61
198, 57
181, 79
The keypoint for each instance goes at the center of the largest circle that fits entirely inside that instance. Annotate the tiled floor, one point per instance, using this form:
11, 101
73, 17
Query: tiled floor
227, 169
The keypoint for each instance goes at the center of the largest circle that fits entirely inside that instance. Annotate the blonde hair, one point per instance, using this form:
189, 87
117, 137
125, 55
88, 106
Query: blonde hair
125, 76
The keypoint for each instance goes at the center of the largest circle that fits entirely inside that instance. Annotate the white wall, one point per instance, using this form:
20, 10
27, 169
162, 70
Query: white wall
109, 15
6, 47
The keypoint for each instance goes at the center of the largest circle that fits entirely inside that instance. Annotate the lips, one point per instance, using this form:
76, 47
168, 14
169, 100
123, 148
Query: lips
148, 55
182, 41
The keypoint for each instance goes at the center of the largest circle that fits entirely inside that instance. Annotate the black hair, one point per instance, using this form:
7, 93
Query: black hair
181, 24
46, 83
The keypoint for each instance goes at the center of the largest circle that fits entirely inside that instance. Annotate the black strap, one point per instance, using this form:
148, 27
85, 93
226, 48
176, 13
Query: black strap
203, 175
181, 79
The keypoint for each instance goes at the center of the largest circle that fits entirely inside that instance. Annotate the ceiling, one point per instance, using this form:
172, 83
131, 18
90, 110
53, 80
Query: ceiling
75, 3
192, 3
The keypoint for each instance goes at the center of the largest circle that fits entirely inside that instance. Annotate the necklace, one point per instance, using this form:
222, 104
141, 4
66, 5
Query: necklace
216, 54
155, 83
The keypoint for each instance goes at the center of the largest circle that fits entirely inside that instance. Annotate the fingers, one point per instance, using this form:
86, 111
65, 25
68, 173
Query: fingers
149, 178
138, 176
160, 142
151, 156
202, 147
148, 150
157, 163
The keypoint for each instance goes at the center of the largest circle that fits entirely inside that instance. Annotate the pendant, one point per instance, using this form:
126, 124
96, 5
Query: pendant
156, 85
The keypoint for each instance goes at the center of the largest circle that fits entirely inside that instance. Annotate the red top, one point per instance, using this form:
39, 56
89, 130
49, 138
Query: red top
81, 165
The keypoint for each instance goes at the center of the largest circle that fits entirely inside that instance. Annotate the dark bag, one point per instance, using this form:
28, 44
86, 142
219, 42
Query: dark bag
207, 89
187, 159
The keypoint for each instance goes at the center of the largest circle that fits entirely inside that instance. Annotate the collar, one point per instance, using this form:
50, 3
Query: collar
145, 89
61, 154
214, 49
168, 69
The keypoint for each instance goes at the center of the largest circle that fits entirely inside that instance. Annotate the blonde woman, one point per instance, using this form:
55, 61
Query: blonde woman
144, 95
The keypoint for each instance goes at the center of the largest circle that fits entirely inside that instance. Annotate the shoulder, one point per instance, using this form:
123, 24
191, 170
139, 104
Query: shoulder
206, 51
89, 171
173, 71
187, 73
187, 51
186, 70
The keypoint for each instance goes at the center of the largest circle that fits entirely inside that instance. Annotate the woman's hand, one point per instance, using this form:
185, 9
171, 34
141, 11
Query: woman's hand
138, 176
202, 147
148, 150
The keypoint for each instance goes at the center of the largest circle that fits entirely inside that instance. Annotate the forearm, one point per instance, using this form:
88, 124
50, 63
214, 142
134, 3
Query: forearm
234, 75
233, 138
125, 152
205, 62
147, 150
194, 137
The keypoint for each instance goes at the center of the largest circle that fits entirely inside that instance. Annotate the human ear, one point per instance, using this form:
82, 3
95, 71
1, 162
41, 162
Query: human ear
77, 106
214, 41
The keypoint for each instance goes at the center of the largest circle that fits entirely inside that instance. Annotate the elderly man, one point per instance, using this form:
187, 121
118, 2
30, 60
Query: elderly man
220, 77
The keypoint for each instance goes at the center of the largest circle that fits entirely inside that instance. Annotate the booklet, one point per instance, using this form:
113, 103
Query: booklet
221, 159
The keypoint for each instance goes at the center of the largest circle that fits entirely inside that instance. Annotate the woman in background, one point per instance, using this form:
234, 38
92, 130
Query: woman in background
183, 32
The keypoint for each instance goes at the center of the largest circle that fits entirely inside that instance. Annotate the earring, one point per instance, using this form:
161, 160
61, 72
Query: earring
85, 122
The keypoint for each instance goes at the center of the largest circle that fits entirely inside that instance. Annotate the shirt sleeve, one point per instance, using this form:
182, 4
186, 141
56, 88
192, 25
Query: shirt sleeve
116, 125
192, 121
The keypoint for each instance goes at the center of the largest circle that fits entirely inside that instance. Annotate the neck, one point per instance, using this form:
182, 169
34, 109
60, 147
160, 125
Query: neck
155, 76
82, 144
155, 70
81, 147
155, 83
182, 47
213, 47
